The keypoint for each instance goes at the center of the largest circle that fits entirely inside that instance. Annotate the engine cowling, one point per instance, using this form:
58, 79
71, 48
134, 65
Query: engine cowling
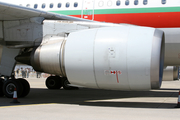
171, 73
117, 58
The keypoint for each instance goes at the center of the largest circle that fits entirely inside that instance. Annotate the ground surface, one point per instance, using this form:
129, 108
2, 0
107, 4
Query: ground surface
92, 104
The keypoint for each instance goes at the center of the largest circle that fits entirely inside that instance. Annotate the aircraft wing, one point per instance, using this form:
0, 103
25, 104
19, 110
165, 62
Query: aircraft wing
16, 12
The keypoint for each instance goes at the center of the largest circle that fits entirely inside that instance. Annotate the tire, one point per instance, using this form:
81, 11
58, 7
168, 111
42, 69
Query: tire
26, 87
53, 82
65, 85
8, 88
1, 88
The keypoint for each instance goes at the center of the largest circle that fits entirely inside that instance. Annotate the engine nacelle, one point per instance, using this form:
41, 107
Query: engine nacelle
171, 73
117, 58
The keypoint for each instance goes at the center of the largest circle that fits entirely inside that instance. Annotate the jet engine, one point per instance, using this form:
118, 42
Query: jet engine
117, 58
171, 73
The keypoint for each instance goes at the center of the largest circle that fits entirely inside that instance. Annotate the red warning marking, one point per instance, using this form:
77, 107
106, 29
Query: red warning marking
117, 73
113, 72
117, 77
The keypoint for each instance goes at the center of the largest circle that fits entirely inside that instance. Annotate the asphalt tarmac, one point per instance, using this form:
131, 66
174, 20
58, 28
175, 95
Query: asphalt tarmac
93, 104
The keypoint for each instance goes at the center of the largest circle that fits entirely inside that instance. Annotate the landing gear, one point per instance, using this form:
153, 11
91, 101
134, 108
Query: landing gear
26, 87
56, 82
8, 88
20, 84
53, 82
66, 86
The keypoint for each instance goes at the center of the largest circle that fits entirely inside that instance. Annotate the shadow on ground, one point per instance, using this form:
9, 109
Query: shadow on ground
88, 97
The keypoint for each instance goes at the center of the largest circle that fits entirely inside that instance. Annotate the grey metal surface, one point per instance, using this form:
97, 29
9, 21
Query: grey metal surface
30, 32
50, 57
157, 59
171, 73
172, 43
176, 73
7, 61
92, 104
23, 33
